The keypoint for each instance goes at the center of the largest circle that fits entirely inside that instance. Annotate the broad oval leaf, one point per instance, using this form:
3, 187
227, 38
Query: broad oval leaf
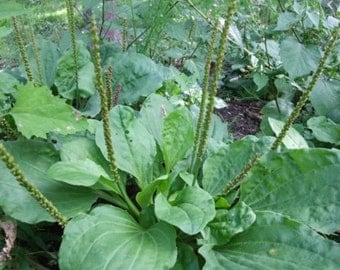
4, 31
303, 184
190, 211
274, 242
38, 112
34, 158
66, 80
77, 173
325, 99
286, 20
145, 196
137, 74
298, 59
134, 146
154, 109
9, 9
293, 139
228, 223
7, 83
225, 164
324, 129
187, 258
109, 238
177, 136
48, 53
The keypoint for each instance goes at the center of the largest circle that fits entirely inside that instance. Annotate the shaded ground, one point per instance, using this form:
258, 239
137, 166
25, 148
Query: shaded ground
243, 117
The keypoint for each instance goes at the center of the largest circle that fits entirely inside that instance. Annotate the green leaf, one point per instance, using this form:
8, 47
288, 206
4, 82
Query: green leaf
293, 139
190, 210
280, 111
274, 242
65, 78
298, 59
177, 136
9, 9
286, 20
135, 148
186, 259
145, 196
325, 99
109, 238
76, 149
225, 164
302, 184
38, 112
272, 48
313, 18
34, 158
236, 35
228, 223
154, 109
7, 83
261, 80
137, 74
48, 56
78, 173
4, 31
324, 129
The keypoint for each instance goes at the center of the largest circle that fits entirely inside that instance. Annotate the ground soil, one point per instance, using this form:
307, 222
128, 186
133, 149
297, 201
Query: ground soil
243, 117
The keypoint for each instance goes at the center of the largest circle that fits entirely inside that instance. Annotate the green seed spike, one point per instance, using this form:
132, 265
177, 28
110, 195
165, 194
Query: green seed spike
22, 50
106, 120
104, 102
15, 170
108, 86
72, 30
200, 122
36, 53
209, 107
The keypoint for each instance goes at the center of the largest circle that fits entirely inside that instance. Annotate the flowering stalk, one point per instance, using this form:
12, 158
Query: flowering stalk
72, 29
105, 116
36, 53
108, 86
125, 35
200, 122
10, 133
22, 50
8, 159
204, 124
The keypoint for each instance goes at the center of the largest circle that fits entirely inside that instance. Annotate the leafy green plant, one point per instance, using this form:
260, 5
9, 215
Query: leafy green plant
156, 185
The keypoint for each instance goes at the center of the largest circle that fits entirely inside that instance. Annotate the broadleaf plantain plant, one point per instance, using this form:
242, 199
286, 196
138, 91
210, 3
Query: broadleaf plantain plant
146, 189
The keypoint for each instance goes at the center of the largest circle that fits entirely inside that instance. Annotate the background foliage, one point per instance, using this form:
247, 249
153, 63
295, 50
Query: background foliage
131, 192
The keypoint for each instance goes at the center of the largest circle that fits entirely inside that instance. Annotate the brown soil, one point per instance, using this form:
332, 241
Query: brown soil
243, 117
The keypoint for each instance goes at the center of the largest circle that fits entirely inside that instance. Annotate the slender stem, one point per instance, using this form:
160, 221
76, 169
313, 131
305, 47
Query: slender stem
112, 198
